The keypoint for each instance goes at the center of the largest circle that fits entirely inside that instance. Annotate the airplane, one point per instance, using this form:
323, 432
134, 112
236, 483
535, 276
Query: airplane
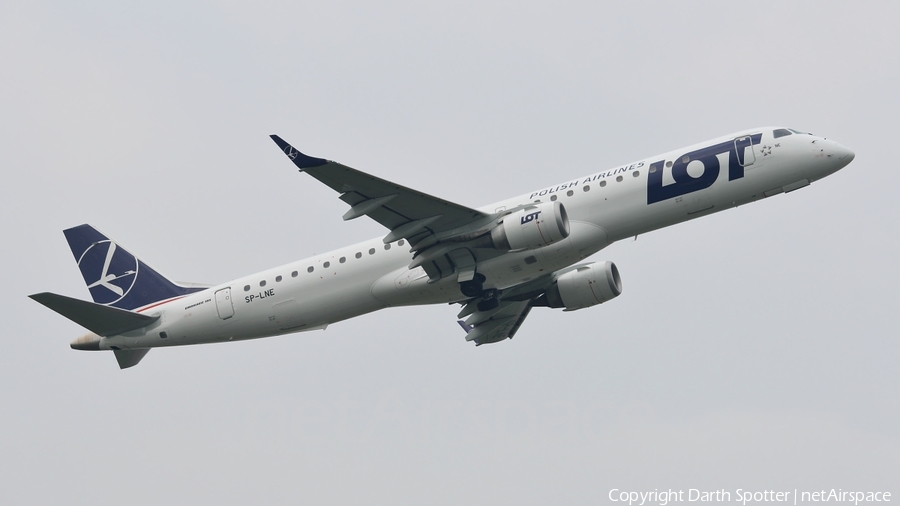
498, 261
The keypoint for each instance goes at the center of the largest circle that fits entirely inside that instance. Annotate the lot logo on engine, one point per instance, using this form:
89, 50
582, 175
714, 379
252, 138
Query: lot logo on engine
530, 217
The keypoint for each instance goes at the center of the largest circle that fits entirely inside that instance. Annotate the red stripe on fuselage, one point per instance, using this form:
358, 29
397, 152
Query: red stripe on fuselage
160, 303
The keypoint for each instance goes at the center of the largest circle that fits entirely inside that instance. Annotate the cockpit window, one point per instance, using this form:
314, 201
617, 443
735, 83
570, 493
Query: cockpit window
781, 132
799, 132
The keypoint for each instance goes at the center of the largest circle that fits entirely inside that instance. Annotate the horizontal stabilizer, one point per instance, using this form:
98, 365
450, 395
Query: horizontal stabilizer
99, 319
130, 358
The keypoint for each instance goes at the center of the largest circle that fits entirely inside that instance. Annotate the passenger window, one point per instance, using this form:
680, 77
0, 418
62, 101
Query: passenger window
294, 274
326, 265
343, 259
570, 193
602, 183
781, 132
310, 269
262, 283
387, 247
358, 255
636, 173
587, 188
247, 288
371, 251
400, 242
278, 279
553, 198
619, 179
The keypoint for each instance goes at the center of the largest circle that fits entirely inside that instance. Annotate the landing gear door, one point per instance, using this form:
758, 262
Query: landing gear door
223, 303
743, 146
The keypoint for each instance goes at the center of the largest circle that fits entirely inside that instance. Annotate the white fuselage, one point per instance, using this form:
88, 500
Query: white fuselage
603, 208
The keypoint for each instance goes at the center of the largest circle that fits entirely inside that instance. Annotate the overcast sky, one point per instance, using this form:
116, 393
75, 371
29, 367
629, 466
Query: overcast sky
756, 348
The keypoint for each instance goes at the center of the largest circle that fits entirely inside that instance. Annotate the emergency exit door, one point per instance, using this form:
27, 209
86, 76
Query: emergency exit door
223, 303
743, 148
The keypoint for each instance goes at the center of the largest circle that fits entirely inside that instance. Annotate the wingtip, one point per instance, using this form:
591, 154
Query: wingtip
301, 160
38, 297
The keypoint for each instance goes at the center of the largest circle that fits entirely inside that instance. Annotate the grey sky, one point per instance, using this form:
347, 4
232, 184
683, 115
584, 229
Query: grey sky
755, 348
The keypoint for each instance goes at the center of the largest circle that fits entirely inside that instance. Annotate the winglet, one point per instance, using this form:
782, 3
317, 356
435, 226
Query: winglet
465, 326
300, 160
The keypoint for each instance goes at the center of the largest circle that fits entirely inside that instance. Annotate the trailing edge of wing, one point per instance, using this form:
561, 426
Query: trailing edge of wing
407, 213
99, 319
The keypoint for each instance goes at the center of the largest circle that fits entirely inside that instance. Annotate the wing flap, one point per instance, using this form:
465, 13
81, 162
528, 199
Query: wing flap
497, 324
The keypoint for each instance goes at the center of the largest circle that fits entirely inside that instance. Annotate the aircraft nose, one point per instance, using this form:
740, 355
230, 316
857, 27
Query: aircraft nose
846, 155
839, 154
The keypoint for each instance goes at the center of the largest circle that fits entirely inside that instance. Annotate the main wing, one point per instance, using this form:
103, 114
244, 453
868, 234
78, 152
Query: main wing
497, 324
485, 325
407, 213
446, 238
437, 230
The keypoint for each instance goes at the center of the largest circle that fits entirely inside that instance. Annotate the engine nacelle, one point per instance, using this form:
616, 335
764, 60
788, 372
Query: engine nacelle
586, 286
533, 227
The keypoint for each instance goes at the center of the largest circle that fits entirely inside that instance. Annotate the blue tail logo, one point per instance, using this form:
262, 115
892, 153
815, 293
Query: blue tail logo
113, 270
114, 276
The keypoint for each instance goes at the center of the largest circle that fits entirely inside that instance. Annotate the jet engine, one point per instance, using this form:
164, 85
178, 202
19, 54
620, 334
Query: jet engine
532, 227
586, 286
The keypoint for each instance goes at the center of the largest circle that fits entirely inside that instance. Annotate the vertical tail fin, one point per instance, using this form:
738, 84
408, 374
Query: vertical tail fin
114, 276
